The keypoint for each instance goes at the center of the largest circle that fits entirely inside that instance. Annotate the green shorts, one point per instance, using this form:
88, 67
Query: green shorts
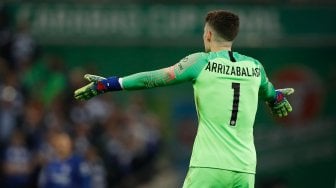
217, 178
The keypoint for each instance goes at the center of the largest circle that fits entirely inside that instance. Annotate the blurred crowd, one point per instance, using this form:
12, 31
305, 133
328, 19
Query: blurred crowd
47, 139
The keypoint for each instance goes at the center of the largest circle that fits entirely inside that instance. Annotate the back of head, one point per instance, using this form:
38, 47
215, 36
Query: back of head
226, 24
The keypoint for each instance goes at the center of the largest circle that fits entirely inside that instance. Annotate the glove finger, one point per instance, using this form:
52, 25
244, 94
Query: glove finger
80, 95
85, 96
81, 98
81, 92
284, 111
288, 107
90, 93
78, 92
93, 78
286, 91
279, 113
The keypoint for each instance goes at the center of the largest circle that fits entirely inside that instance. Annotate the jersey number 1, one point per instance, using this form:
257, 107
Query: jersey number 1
235, 104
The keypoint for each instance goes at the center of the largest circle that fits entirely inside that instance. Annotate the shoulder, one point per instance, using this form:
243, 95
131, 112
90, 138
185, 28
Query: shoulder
241, 57
194, 57
198, 54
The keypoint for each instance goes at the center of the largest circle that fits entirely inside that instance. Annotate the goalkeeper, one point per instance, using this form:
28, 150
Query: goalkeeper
227, 86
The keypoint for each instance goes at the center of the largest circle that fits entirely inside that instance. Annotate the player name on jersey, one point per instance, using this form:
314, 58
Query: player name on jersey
233, 70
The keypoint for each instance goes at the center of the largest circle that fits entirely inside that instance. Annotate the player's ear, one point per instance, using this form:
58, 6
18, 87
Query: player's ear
208, 35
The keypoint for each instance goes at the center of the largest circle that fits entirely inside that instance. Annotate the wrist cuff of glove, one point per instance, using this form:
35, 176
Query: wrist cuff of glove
279, 97
109, 84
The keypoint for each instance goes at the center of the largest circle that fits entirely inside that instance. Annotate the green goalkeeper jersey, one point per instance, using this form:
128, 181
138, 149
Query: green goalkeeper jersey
227, 86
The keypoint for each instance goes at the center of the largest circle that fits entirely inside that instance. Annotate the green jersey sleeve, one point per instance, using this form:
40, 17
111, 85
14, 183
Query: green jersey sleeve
185, 70
266, 90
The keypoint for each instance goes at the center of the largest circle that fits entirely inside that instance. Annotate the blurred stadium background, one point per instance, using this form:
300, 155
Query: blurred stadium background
144, 138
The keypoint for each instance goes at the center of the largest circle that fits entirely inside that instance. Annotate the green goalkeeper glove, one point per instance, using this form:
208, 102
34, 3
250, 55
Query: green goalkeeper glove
280, 106
97, 86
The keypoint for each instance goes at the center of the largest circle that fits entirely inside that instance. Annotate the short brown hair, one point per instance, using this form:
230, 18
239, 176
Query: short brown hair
225, 23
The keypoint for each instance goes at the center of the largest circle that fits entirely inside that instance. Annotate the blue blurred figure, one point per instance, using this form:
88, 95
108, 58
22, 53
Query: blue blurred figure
17, 163
65, 170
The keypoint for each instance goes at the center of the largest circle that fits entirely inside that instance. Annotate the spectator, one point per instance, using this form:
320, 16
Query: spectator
17, 162
131, 143
32, 124
81, 138
23, 48
97, 168
36, 103
65, 170
11, 104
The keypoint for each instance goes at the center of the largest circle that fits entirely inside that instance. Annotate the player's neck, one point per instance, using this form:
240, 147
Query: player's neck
215, 47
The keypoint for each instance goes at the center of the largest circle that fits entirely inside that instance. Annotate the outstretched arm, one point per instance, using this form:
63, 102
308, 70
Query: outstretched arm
275, 99
185, 70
